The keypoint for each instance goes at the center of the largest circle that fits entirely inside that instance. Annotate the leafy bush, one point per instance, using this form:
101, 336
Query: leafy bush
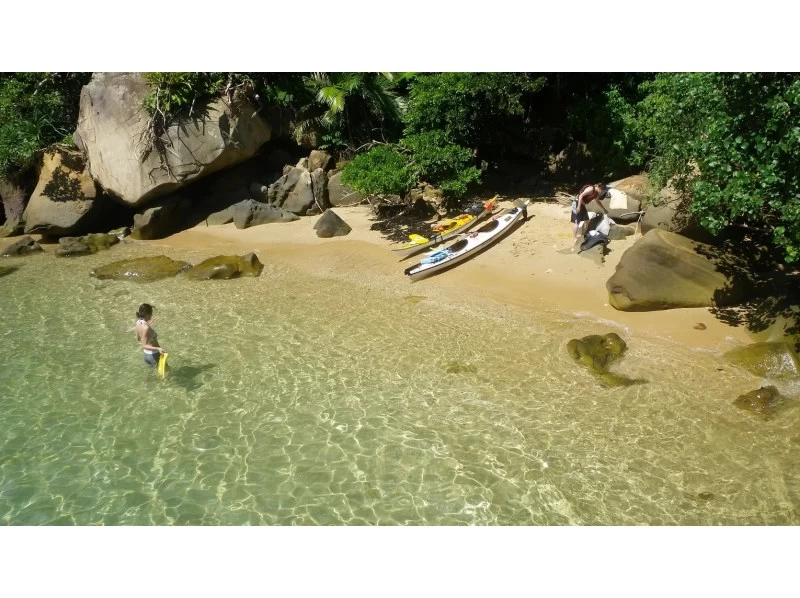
381, 170
446, 165
36, 110
733, 141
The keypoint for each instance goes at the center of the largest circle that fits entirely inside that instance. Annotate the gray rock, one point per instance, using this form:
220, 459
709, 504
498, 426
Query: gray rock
13, 200
664, 270
331, 225
320, 159
249, 213
111, 122
339, 194
161, 220
23, 246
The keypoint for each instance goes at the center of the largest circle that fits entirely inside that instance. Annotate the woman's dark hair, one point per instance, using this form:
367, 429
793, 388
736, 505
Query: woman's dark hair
603, 190
145, 310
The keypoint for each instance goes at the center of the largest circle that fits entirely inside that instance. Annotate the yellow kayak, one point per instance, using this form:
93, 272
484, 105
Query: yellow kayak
444, 230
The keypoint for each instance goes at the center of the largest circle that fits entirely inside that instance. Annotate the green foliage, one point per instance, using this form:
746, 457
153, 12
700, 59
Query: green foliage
381, 170
481, 111
386, 169
171, 93
36, 110
448, 166
354, 108
733, 141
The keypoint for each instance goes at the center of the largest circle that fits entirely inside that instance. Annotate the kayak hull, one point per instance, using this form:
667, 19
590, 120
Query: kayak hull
463, 249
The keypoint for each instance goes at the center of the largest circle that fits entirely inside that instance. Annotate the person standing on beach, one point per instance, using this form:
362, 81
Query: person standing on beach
579, 216
146, 336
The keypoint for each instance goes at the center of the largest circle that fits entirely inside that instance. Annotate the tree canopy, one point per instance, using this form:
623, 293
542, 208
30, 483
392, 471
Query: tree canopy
729, 141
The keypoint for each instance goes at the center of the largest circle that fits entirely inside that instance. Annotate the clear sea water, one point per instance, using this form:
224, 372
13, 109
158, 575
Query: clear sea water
310, 400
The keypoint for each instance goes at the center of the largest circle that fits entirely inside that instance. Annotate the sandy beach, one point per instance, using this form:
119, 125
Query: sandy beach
531, 269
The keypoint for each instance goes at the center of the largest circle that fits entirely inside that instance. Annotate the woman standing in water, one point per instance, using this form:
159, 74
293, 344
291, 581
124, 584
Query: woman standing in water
146, 335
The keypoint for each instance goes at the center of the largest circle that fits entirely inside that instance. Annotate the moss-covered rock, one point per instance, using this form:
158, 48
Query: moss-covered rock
24, 246
86, 245
767, 360
226, 266
763, 401
143, 269
597, 352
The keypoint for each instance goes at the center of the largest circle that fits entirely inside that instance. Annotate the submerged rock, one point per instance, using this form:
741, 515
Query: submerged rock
86, 245
767, 360
597, 353
143, 269
24, 246
763, 401
6, 270
226, 266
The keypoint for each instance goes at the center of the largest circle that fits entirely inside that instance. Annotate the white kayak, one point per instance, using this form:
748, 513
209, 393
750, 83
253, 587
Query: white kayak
470, 244
443, 231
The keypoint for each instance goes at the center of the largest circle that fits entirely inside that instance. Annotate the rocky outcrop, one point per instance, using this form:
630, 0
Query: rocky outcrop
320, 159
341, 195
142, 269
66, 200
161, 220
300, 191
24, 246
86, 245
249, 213
764, 401
664, 270
226, 266
112, 126
669, 211
597, 353
331, 225
13, 200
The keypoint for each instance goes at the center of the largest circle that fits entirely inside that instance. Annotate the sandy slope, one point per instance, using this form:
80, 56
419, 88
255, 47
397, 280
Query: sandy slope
532, 268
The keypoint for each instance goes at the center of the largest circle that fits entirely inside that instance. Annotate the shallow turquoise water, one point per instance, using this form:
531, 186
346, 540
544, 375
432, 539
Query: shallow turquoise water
301, 400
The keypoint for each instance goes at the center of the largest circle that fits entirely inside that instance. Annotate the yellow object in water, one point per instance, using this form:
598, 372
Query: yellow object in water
162, 365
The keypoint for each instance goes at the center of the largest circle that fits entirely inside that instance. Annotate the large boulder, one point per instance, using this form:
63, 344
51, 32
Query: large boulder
249, 213
112, 127
664, 270
300, 190
13, 200
23, 246
341, 195
162, 219
331, 225
767, 360
320, 159
142, 269
226, 266
669, 211
66, 200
